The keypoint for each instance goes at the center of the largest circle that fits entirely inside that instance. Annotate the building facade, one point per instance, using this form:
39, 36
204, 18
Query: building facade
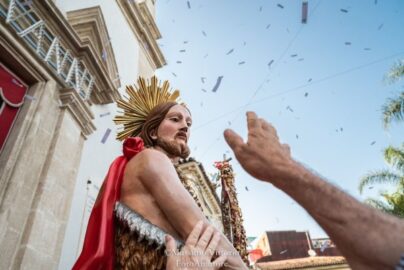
62, 64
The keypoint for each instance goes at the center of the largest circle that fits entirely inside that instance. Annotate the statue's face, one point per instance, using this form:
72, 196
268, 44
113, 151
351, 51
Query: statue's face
174, 131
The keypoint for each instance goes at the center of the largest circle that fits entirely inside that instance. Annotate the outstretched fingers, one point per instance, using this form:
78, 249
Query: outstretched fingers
194, 235
233, 139
253, 122
205, 238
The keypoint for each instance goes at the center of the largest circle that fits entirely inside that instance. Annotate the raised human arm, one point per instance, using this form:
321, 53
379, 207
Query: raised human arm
368, 238
156, 172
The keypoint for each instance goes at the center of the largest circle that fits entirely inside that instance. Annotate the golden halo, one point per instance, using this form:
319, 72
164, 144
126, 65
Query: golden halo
140, 101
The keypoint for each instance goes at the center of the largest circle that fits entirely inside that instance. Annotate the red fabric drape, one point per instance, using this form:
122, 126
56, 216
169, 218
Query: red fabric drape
98, 248
12, 93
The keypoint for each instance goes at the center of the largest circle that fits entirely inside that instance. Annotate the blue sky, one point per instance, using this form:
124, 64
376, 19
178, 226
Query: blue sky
323, 92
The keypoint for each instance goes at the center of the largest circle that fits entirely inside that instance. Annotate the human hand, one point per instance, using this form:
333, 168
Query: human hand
263, 156
197, 252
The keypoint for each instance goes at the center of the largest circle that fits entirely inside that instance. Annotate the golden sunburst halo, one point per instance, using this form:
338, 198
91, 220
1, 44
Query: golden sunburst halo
141, 99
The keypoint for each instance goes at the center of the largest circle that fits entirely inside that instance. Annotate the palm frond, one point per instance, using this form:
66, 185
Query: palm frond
379, 177
396, 72
378, 204
388, 207
394, 156
393, 110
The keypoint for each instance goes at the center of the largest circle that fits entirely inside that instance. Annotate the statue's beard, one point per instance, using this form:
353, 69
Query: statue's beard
173, 148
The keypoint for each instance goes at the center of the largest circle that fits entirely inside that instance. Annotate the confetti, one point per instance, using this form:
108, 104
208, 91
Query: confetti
88, 182
106, 134
241, 63
371, 187
179, 62
380, 27
189, 5
186, 41
300, 59
175, 75
270, 63
280, 6
297, 136
304, 11
105, 114
219, 80
206, 55
246, 188
306, 94
203, 32
373, 143
29, 97
260, 8
229, 52
341, 129
289, 108
269, 25
283, 251
293, 55
181, 51
367, 49
309, 80
203, 79
229, 123
244, 43
344, 10
348, 43
201, 104
204, 90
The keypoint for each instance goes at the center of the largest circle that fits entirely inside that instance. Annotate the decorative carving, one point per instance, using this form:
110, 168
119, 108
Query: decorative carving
231, 212
143, 26
195, 180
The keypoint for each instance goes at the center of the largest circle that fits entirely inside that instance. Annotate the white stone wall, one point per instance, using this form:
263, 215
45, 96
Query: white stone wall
37, 198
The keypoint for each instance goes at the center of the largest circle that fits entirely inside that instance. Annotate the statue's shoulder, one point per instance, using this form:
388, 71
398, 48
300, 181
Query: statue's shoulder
148, 159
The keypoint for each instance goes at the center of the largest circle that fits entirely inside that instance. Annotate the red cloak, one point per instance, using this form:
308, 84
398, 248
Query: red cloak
98, 249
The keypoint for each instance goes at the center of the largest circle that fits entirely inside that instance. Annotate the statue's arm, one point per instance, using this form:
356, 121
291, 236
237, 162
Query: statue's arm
158, 175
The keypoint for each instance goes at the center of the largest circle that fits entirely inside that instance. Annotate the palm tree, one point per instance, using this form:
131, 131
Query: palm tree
393, 110
393, 203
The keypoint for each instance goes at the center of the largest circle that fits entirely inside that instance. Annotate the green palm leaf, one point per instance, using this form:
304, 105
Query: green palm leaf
378, 204
393, 110
396, 72
379, 177
394, 156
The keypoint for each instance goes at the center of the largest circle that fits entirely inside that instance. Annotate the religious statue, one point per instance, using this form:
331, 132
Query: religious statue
154, 189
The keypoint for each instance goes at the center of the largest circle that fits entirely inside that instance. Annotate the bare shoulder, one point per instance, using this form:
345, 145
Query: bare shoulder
149, 161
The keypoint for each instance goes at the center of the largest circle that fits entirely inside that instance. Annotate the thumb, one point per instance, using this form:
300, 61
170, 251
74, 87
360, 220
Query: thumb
170, 245
233, 139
